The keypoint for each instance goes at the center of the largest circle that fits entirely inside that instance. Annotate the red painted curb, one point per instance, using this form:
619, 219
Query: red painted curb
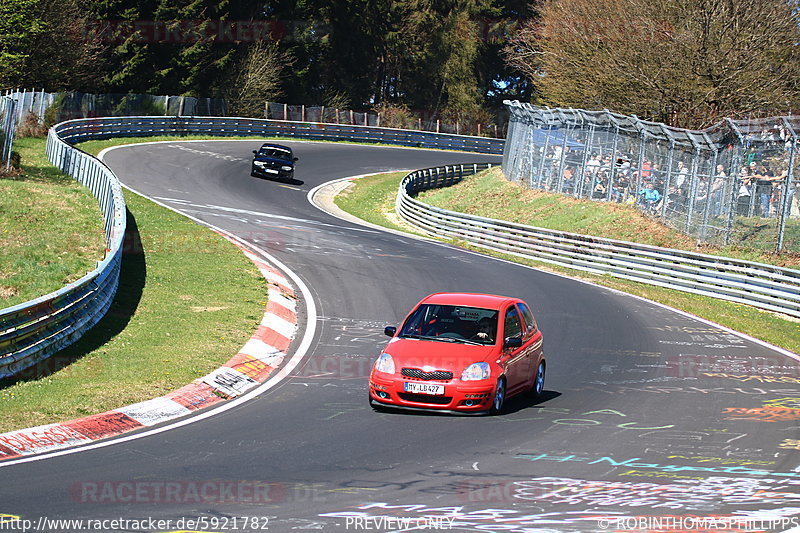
254, 364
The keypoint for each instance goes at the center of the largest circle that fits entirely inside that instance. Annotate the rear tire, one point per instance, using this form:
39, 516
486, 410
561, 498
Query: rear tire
538, 380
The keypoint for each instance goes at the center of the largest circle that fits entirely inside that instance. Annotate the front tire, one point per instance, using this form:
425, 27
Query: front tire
499, 399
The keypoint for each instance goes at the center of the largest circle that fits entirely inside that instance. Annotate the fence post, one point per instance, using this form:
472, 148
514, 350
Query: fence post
692, 186
736, 163
642, 136
563, 156
707, 211
613, 173
668, 178
588, 146
787, 188
543, 159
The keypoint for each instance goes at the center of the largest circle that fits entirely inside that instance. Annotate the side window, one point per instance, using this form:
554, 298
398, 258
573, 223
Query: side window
513, 328
530, 323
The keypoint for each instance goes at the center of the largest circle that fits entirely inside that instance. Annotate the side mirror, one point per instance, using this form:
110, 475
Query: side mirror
512, 342
389, 331
255, 151
295, 160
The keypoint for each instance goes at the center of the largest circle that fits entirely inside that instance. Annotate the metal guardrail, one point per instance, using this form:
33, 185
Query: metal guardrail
102, 128
35, 330
760, 285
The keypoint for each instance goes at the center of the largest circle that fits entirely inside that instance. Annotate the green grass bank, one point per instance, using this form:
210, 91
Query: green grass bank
188, 300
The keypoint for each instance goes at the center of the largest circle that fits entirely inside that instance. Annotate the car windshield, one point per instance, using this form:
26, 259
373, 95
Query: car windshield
275, 153
450, 323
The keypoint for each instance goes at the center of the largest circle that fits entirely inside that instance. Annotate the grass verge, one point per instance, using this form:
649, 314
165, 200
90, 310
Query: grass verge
187, 301
489, 194
51, 228
371, 197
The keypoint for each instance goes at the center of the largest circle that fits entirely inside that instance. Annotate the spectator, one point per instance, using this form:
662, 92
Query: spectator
717, 187
649, 198
593, 165
569, 177
764, 178
777, 193
745, 193
682, 176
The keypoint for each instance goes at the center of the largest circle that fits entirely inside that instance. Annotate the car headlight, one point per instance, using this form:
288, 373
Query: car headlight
259, 163
475, 372
287, 168
385, 364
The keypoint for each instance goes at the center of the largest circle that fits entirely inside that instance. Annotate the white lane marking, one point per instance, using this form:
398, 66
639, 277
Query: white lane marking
778, 349
255, 213
475, 465
302, 349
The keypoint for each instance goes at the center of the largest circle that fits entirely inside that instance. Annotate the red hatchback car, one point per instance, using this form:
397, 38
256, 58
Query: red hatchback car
460, 352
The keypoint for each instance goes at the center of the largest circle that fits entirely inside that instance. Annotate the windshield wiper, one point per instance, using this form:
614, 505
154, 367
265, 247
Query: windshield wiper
474, 343
427, 337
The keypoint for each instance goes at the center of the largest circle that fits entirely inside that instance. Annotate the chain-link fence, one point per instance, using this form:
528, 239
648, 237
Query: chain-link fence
411, 121
734, 183
58, 107
8, 123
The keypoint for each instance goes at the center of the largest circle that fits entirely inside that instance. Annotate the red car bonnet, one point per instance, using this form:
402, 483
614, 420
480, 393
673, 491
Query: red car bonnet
438, 355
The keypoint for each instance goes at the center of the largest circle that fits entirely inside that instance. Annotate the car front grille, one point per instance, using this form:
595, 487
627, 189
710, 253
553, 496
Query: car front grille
436, 375
425, 398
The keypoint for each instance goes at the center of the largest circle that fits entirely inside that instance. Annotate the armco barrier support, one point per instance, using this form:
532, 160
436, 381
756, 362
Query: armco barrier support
760, 285
35, 330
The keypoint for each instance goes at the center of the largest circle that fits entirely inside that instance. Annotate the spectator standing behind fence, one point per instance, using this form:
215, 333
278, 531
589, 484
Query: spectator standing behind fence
717, 187
777, 192
764, 178
678, 195
745, 193
649, 197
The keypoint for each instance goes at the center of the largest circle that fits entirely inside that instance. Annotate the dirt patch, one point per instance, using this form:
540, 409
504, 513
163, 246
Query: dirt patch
207, 309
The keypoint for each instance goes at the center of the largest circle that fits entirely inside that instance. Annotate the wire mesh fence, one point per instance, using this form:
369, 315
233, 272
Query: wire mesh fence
411, 121
58, 107
734, 183
8, 125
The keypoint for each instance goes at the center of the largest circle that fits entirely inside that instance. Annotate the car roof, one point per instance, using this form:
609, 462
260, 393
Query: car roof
279, 146
485, 301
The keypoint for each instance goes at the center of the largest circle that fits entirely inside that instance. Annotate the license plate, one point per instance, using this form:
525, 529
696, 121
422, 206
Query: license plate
271, 171
423, 388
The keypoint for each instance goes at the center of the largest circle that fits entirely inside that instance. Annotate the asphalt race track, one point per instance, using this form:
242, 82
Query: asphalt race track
648, 414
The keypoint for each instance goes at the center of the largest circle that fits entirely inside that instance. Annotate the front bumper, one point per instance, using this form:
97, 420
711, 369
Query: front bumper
459, 396
265, 172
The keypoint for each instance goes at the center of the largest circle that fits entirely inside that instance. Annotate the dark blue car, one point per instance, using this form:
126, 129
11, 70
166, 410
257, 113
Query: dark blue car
273, 161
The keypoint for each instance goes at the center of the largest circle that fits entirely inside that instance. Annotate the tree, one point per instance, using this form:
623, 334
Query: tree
257, 80
46, 44
684, 62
